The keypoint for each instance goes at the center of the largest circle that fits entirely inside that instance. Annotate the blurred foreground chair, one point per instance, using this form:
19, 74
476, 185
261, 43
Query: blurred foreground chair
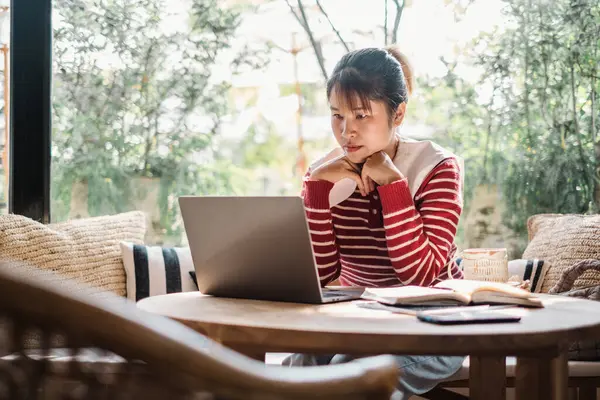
64, 341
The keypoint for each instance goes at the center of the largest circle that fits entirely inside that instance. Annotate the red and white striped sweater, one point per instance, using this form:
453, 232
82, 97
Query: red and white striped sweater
387, 238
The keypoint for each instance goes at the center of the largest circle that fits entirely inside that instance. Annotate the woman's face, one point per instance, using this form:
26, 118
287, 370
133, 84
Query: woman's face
361, 132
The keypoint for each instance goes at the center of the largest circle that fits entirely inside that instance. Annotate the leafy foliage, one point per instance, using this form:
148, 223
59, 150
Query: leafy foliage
530, 124
134, 96
544, 70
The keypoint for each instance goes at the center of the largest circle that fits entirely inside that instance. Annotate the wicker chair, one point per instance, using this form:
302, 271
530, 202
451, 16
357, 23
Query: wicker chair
109, 349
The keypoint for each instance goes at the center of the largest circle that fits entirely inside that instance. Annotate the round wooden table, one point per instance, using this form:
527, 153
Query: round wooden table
539, 341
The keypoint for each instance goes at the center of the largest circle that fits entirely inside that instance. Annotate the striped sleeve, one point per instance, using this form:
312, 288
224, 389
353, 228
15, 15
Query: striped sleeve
320, 224
420, 233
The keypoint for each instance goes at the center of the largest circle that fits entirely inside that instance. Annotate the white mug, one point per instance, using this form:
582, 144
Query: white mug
485, 264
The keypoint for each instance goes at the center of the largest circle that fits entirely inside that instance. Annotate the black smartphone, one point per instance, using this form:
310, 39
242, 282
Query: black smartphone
489, 316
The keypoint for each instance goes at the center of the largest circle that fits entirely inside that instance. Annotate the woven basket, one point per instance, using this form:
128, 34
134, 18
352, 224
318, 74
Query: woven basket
490, 265
562, 240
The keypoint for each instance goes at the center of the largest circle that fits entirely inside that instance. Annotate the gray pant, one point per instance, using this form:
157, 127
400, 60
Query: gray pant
418, 374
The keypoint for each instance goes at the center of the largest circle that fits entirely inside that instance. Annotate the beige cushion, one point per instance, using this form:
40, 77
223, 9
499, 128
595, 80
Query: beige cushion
86, 250
562, 240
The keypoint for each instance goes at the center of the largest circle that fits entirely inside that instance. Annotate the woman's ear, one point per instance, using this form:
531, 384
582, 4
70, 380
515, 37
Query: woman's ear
399, 116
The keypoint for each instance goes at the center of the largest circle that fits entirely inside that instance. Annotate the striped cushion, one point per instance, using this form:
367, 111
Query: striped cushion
532, 270
193, 275
154, 270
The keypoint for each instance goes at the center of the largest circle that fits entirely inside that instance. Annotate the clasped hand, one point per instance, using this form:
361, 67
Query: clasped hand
377, 169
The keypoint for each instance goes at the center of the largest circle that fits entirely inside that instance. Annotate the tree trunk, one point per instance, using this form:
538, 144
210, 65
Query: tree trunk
578, 134
526, 83
593, 109
316, 47
399, 9
337, 33
597, 177
596, 142
488, 137
385, 22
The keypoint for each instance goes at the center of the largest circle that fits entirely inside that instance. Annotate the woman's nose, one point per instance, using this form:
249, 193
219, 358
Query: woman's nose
348, 129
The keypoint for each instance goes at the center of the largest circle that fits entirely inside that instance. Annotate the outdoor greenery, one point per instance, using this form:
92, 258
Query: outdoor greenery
536, 133
544, 112
134, 100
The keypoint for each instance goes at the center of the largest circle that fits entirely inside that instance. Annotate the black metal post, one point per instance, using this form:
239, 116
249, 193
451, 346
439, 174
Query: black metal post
30, 108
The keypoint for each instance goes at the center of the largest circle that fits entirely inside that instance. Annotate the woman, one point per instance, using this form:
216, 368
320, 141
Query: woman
382, 210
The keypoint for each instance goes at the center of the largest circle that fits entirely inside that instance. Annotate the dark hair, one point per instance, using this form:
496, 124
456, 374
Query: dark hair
372, 74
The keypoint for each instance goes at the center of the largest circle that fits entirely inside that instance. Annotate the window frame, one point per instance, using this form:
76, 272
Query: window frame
30, 108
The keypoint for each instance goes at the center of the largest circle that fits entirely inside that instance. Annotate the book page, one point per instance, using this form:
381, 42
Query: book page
489, 297
414, 295
470, 287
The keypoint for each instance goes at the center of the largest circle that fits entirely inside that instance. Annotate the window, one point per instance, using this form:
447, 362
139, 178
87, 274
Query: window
155, 99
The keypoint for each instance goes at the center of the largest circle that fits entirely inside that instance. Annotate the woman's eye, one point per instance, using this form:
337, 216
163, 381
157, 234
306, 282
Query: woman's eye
361, 116
337, 116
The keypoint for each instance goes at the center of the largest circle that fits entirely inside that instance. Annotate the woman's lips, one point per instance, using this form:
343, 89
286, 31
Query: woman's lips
352, 149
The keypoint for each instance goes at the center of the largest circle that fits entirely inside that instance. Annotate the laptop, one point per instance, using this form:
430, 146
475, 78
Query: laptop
255, 248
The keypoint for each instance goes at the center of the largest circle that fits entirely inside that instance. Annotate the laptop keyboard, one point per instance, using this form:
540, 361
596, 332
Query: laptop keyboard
328, 293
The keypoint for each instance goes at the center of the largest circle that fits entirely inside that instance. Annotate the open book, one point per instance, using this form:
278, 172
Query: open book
453, 292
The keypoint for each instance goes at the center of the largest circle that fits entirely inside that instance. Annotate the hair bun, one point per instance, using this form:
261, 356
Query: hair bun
407, 69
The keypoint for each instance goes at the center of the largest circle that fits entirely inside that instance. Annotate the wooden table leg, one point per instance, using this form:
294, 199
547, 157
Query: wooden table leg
587, 392
560, 376
532, 378
487, 378
542, 378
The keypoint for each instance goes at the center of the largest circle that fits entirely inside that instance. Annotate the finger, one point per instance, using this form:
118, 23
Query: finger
365, 180
371, 184
356, 178
360, 184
